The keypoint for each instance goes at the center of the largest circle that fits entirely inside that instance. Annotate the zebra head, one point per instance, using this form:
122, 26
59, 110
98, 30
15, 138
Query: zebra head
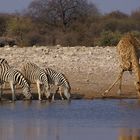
67, 93
27, 93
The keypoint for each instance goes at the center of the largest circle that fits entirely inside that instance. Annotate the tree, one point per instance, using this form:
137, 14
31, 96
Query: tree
136, 14
4, 18
61, 13
18, 27
117, 15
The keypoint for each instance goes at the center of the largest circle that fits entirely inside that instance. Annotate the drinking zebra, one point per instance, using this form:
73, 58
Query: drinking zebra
60, 80
35, 74
13, 77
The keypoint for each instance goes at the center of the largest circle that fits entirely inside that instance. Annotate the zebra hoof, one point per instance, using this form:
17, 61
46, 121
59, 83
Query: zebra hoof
10, 101
14, 99
103, 94
43, 101
52, 100
26, 99
119, 92
106, 92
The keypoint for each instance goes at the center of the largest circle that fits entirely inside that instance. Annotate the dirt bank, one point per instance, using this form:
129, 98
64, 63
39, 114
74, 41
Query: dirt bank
90, 70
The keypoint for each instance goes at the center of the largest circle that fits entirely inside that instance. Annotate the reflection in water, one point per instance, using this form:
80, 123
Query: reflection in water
28, 120
29, 131
37, 131
129, 134
61, 120
131, 105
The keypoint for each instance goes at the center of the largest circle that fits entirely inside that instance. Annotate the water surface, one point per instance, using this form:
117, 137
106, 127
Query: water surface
78, 120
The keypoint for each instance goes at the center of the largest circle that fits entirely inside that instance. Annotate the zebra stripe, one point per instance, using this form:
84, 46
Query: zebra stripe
8, 74
35, 74
60, 80
3, 61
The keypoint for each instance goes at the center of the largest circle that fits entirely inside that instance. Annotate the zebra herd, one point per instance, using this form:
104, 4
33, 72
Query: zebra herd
31, 73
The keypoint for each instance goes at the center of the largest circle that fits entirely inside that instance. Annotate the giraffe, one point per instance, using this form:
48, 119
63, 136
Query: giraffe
128, 51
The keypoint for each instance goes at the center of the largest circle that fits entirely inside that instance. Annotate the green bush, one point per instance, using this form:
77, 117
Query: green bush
108, 38
136, 34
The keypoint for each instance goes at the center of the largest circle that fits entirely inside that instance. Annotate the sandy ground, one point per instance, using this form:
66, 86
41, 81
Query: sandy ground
90, 70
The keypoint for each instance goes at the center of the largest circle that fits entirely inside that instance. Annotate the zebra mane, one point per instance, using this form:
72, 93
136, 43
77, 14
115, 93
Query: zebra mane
3, 61
50, 69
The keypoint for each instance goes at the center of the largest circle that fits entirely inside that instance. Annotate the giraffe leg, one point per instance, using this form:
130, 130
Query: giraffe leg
118, 78
137, 85
137, 76
120, 85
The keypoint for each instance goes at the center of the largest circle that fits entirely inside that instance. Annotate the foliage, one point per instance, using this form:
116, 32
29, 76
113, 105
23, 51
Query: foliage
109, 38
19, 27
4, 18
136, 34
68, 23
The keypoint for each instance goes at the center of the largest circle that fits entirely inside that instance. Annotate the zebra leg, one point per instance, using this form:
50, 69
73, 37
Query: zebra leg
44, 90
39, 91
47, 91
13, 91
53, 97
60, 92
54, 94
1, 90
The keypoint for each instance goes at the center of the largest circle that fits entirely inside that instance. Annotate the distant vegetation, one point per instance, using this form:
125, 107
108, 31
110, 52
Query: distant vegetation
68, 23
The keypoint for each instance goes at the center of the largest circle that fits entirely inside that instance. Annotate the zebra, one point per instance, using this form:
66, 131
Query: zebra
34, 74
13, 76
60, 80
